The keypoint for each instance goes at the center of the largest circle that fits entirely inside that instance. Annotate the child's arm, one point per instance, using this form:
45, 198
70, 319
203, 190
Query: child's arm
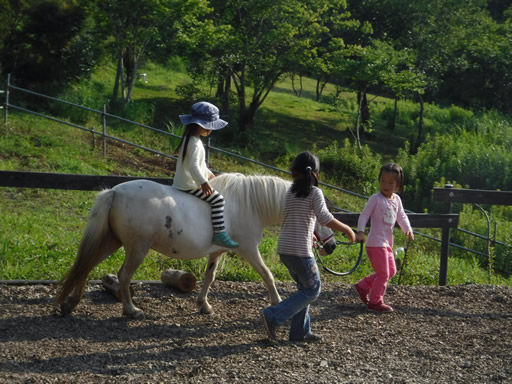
323, 215
364, 217
403, 221
337, 225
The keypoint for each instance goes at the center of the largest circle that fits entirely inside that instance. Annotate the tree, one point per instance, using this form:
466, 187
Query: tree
264, 39
404, 79
368, 67
136, 25
331, 49
38, 40
463, 53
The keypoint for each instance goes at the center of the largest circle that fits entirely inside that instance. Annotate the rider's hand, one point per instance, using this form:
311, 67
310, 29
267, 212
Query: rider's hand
206, 188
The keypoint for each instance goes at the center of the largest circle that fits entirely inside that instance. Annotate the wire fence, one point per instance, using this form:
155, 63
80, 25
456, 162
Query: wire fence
104, 116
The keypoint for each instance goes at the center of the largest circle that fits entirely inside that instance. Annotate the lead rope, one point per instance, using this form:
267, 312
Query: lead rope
319, 246
404, 261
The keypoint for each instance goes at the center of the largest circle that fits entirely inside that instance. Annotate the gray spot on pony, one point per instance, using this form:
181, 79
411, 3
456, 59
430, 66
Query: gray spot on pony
168, 225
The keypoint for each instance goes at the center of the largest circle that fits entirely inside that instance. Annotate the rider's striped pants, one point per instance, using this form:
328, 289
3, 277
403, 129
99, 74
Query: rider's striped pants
216, 200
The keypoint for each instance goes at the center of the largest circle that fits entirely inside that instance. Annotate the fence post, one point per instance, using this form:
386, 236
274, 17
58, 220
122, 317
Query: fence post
208, 142
104, 130
445, 243
1, 106
7, 99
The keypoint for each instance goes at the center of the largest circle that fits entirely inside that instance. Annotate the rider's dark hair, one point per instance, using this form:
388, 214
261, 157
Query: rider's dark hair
305, 171
396, 170
190, 129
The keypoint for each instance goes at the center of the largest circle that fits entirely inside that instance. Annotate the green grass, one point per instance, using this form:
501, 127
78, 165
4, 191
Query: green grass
40, 229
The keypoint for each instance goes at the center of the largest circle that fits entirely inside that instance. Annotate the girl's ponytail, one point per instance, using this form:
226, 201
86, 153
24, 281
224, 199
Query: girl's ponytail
189, 130
305, 170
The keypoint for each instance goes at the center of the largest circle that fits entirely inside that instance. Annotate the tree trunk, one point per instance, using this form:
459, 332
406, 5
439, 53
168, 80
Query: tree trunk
122, 79
134, 67
219, 93
339, 90
131, 84
414, 148
247, 117
115, 92
363, 114
320, 85
298, 92
392, 123
226, 89
362, 101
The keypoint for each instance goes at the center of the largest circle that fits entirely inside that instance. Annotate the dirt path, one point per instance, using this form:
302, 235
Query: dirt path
457, 334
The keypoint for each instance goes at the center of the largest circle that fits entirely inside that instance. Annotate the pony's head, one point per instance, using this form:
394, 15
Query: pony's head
325, 239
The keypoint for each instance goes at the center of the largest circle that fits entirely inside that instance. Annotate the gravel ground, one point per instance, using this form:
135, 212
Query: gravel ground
454, 334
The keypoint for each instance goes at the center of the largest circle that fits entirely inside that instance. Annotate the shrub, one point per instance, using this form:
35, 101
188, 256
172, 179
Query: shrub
350, 167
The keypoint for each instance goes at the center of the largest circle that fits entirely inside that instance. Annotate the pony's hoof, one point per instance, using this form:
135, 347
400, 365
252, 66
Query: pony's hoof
204, 307
276, 301
139, 316
136, 315
66, 309
206, 311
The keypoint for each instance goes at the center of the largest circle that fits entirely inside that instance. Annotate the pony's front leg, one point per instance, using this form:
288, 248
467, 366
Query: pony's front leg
132, 261
254, 258
209, 277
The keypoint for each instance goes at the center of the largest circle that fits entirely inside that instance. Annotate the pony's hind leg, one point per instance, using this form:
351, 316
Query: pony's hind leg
77, 279
209, 277
134, 258
253, 257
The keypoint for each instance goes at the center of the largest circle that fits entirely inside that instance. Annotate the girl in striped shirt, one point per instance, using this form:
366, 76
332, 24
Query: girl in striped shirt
304, 204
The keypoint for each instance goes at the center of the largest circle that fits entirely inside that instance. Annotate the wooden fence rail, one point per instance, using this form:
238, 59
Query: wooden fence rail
67, 181
97, 183
450, 195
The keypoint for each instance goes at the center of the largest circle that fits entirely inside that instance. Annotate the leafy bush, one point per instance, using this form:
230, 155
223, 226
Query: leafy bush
350, 167
188, 91
471, 159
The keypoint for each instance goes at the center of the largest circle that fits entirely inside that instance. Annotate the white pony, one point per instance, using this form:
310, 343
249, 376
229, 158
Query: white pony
141, 215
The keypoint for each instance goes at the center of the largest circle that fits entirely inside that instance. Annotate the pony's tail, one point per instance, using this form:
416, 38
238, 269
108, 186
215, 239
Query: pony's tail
88, 253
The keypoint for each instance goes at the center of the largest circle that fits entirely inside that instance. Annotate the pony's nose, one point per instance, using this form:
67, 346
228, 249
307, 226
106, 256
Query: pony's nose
329, 247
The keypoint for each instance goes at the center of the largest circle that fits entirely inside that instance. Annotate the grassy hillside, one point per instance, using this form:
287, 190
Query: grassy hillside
40, 229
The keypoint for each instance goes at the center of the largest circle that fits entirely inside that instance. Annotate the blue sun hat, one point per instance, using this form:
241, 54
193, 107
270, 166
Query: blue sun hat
206, 115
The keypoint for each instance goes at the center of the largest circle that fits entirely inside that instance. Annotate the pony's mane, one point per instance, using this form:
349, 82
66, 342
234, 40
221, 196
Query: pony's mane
254, 194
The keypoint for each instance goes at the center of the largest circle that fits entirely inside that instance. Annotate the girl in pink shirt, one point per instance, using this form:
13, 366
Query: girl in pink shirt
384, 209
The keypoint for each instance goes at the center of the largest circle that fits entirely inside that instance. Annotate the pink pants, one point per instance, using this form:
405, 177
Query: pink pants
383, 263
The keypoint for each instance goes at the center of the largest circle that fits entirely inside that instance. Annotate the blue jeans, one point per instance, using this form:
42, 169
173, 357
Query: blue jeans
296, 307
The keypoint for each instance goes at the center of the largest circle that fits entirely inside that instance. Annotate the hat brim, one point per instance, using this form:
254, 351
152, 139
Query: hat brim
206, 124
